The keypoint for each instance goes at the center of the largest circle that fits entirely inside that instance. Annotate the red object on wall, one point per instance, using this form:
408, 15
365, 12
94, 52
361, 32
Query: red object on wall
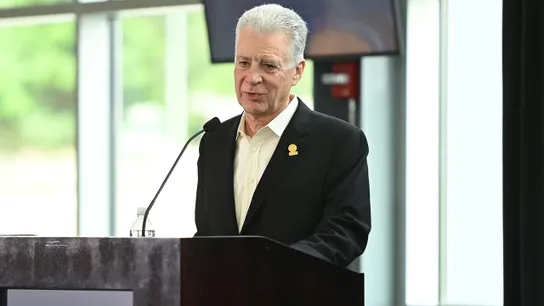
350, 88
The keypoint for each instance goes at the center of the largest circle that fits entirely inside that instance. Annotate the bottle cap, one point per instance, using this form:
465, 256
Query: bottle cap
141, 210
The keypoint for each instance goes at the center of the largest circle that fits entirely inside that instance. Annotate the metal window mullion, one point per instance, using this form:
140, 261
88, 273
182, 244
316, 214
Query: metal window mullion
96, 124
443, 152
116, 104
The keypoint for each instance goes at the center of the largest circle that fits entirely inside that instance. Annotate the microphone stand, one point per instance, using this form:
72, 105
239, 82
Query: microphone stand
166, 179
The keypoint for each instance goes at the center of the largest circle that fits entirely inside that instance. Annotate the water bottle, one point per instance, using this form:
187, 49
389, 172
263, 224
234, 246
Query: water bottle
136, 228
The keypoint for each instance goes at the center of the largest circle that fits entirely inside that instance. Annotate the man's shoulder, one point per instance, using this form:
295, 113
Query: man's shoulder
228, 124
331, 133
223, 128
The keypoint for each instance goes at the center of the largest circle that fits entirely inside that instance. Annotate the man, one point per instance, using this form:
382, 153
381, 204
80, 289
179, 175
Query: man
280, 170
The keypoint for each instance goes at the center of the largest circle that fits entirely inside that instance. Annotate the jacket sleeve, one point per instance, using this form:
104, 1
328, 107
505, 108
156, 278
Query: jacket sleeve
342, 234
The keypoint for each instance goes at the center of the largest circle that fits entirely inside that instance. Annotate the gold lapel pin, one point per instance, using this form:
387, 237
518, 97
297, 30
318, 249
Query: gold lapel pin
292, 149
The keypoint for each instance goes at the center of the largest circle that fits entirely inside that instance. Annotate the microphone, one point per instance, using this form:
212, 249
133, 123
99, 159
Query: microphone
209, 126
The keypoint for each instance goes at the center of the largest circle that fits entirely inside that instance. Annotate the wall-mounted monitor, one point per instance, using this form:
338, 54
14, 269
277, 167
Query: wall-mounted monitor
338, 29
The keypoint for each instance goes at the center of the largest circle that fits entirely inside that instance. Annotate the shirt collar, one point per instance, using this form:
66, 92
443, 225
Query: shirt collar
278, 124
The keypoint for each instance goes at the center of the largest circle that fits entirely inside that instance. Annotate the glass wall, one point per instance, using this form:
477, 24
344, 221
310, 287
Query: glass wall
156, 119
422, 153
38, 128
472, 175
454, 153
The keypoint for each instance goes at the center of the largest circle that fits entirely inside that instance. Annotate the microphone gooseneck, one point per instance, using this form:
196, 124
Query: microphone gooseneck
209, 126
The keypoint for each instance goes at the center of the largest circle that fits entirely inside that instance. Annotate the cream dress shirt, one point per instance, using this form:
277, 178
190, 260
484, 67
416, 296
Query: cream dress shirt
252, 156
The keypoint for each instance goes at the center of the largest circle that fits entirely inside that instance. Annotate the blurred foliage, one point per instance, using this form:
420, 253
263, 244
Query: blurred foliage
38, 75
37, 81
18, 3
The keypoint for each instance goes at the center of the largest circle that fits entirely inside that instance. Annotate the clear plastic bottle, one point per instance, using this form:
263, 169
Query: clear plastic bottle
136, 228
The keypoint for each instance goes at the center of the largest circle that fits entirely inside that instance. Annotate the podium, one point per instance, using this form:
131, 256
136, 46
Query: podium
200, 271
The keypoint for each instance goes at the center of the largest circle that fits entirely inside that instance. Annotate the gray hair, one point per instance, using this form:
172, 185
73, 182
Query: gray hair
270, 18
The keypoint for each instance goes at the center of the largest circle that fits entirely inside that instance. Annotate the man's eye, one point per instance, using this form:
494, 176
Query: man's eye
243, 63
269, 66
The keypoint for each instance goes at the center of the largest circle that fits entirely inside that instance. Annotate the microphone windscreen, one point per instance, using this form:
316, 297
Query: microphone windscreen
212, 124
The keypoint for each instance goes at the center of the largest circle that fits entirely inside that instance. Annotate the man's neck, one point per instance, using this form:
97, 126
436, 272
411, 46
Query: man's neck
254, 123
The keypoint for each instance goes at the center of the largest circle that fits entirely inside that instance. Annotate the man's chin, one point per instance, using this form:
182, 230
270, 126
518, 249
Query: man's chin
254, 107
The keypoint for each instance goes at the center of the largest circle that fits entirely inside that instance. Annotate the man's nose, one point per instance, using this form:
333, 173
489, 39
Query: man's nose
254, 76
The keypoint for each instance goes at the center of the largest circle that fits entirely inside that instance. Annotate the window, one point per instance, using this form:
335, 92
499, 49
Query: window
37, 129
422, 140
19, 3
454, 153
473, 153
157, 117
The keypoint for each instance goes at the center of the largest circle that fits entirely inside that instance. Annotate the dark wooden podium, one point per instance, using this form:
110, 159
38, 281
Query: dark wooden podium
199, 271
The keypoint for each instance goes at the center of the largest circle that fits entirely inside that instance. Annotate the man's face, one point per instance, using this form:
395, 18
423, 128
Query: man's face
263, 76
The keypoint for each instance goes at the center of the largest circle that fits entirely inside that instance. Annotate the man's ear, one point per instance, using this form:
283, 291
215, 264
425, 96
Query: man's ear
299, 70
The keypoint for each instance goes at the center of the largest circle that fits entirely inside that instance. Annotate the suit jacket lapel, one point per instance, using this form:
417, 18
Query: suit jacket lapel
281, 163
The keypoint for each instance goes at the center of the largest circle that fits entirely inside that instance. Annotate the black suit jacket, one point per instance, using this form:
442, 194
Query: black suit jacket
316, 201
